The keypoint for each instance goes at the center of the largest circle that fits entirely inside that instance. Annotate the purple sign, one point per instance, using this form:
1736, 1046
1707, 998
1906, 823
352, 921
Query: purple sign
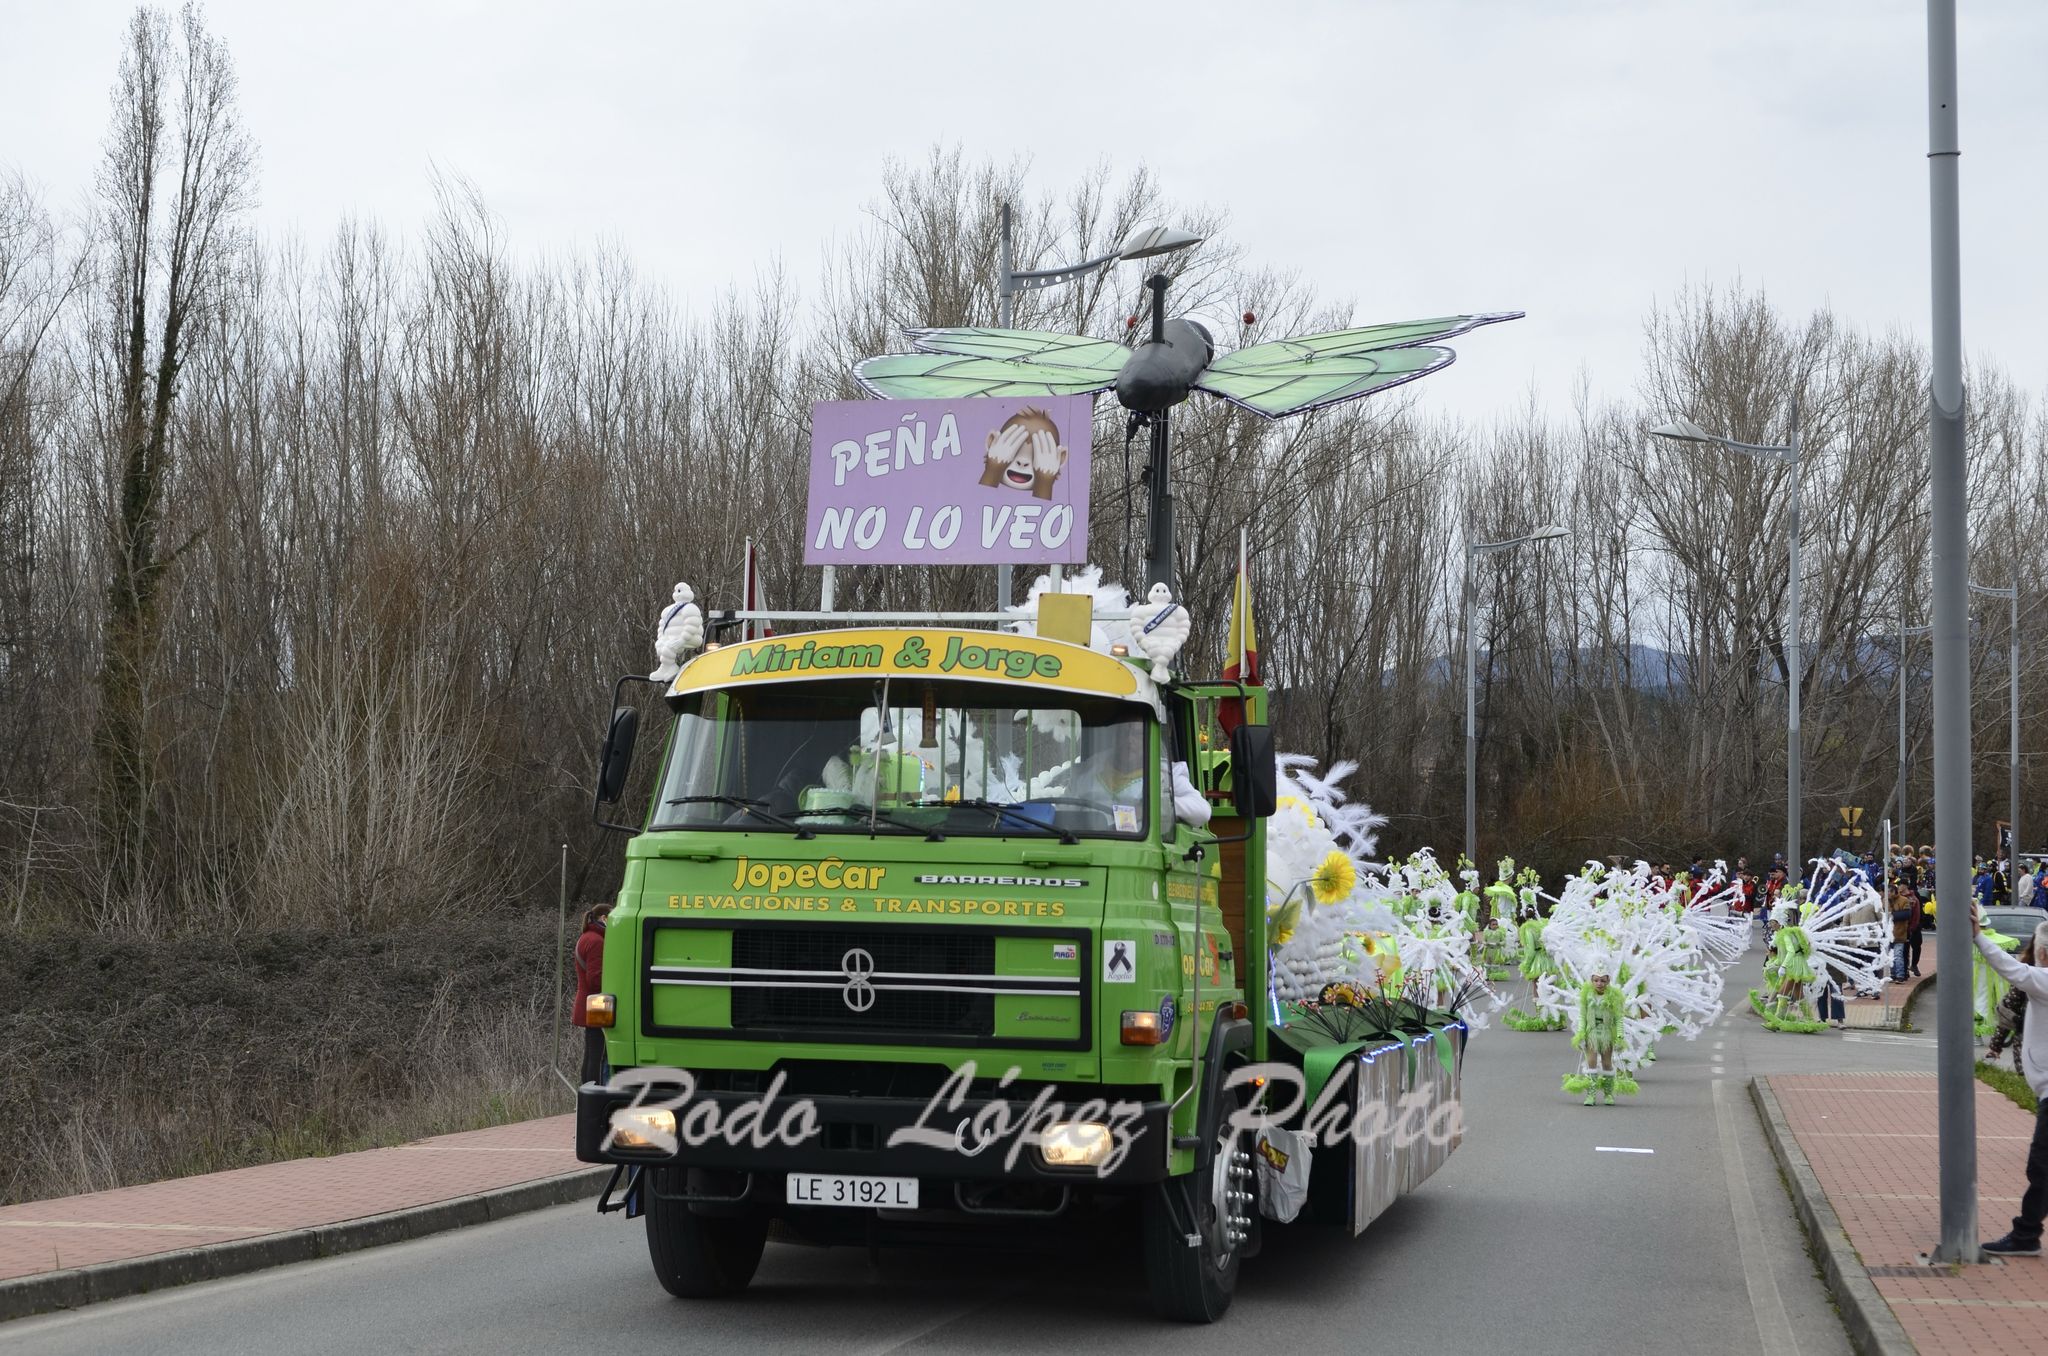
957, 482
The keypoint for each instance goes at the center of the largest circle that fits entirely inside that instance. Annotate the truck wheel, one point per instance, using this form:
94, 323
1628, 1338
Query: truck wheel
700, 1256
1193, 1283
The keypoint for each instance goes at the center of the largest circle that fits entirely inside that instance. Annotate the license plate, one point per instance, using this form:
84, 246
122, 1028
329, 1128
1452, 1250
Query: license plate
831, 1188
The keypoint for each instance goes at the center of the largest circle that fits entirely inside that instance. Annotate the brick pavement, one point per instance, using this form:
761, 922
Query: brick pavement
1871, 1140
303, 1193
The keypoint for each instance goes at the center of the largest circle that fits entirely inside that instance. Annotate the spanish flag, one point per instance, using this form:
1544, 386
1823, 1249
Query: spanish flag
1241, 657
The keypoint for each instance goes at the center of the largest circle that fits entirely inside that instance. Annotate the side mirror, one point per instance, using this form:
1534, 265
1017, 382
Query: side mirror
617, 758
1254, 778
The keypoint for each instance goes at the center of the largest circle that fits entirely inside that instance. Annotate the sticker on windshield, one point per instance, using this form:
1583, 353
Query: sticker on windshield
1118, 967
1063, 951
1126, 819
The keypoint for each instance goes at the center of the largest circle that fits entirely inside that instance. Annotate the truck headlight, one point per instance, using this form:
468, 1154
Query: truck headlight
644, 1127
599, 1009
1074, 1144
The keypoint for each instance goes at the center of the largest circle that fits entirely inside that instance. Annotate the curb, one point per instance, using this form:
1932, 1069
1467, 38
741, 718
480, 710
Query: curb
1874, 1330
75, 1287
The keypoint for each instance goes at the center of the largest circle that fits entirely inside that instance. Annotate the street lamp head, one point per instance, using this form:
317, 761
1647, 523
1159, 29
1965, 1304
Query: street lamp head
1550, 532
1683, 431
1150, 240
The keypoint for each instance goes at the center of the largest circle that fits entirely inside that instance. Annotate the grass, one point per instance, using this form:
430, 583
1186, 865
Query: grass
133, 1062
2009, 1083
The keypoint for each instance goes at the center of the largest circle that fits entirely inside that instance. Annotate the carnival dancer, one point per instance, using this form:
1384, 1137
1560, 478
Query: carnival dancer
1834, 942
1493, 949
1987, 990
1536, 965
1597, 1036
1500, 896
1786, 974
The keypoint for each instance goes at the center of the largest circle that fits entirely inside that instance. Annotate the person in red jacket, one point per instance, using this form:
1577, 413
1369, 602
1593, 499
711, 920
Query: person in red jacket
589, 980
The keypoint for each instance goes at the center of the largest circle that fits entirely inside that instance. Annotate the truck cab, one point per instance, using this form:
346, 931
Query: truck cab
928, 926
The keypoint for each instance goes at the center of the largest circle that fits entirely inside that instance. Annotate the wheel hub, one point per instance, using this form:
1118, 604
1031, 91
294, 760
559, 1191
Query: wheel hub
1230, 1201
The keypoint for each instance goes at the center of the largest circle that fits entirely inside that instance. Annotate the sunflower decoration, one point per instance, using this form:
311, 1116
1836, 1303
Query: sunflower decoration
1281, 920
1334, 879
1343, 992
1385, 955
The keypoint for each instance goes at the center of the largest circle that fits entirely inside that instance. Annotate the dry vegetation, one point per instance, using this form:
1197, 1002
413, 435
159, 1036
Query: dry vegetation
131, 1060
317, 559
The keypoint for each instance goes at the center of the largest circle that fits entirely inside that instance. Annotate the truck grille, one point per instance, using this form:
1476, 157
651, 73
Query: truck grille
911, 984
894, 1012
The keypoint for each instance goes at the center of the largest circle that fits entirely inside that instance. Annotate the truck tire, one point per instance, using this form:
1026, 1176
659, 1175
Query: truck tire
1194, 1284
700, 1256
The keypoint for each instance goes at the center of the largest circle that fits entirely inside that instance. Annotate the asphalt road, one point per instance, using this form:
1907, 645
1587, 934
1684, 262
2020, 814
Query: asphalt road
1536, 1239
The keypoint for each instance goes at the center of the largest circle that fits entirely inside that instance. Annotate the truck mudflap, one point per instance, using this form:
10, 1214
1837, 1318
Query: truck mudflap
938, 1139
1414, 1087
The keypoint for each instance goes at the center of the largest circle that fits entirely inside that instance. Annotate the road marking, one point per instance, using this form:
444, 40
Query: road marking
1766, 1305
1719, 1044
1879, 1038
1612, 1149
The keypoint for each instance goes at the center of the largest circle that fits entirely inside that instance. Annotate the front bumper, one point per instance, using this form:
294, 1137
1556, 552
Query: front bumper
853, 1134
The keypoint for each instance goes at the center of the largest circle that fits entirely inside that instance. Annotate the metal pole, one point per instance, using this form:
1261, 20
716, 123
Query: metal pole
1159, 471
1471, 723
2012, 864
1904, 831
1949, 611
561, 943
1006, 307
1005, 293
1793, 669
1159, 553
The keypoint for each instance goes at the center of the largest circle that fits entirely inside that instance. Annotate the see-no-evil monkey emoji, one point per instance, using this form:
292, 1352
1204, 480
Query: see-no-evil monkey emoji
1025, 454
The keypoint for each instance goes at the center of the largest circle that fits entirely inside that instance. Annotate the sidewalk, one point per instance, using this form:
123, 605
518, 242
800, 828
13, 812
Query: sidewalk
78, 1249
1871, 1144
1885, 1013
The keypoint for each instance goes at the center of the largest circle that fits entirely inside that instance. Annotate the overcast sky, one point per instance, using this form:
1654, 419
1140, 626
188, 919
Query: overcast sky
1572, 158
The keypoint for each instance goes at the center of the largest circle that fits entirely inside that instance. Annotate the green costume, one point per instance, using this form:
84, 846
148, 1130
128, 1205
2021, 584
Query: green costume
1599, 1037
1986, 988
1535, 963
1493, 949
1787, 973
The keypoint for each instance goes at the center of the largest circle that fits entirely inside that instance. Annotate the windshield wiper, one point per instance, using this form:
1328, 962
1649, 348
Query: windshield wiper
752, 807
872, 817
1010, 812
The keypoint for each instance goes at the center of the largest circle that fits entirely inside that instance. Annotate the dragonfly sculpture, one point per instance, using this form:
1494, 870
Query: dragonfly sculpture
1275, 380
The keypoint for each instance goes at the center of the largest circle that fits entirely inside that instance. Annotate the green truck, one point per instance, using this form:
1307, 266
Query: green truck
930, 928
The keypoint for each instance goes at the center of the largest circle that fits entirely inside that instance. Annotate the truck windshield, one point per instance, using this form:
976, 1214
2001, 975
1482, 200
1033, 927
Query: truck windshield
910, 757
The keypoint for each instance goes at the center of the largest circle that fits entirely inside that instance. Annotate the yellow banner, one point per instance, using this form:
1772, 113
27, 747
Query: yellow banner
980, 656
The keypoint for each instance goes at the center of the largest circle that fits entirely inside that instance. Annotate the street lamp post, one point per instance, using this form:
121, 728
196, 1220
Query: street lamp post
1685, 431
1948, 496
1143, 244
1473, 550
2012, 596
1904, 631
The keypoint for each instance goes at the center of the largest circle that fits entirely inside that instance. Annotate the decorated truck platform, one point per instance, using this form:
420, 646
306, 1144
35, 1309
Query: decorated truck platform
981, 920
930, 926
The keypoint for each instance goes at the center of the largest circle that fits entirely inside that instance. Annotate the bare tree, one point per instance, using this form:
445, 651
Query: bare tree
175, 179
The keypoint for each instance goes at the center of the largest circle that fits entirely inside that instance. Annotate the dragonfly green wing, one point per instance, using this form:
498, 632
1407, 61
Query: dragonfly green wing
1293, 376
993, 362
1030, 346
1279, 389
